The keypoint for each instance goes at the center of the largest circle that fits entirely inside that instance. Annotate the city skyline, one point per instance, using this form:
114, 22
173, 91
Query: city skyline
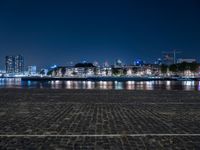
58, 32
72, 63
100, 74
168, 57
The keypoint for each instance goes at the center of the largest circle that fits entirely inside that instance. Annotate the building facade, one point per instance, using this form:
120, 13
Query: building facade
14, 64
32, 70
10, 64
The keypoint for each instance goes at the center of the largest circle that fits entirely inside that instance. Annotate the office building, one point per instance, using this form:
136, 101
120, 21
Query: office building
10, 64
14, 64
32, 70
19, 64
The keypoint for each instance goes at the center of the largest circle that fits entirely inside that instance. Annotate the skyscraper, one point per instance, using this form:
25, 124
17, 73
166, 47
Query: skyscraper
14, 64
10, 64
19, 64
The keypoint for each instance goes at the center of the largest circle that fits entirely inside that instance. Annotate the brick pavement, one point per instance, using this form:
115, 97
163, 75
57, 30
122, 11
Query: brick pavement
93, 112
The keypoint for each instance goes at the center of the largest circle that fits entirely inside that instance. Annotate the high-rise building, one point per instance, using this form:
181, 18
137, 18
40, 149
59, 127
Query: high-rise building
10, 64
14, 64
19, 64
32, 70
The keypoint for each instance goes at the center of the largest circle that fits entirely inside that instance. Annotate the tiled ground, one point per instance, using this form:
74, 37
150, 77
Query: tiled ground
99, 119
99, 143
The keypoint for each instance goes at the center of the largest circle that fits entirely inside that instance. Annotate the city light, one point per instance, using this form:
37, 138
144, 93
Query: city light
99, 74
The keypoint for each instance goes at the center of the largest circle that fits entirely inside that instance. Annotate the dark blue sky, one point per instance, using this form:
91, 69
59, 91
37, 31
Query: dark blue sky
60, 31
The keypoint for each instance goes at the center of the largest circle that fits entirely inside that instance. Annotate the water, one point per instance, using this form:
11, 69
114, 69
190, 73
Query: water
104, 85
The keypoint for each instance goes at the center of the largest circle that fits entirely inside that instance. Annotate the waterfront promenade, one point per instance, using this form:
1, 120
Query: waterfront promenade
99, 119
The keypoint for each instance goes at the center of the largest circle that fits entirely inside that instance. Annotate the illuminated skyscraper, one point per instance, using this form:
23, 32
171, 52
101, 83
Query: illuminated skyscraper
19, 64
10, 64
14, 64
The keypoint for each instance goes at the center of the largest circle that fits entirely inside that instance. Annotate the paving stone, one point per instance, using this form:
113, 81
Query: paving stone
94, 112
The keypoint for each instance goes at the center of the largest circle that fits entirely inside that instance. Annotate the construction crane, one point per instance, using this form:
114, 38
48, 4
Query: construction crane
174, 52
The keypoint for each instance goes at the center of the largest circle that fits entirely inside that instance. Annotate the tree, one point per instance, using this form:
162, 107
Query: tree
164, 68
125, 71
173, 68
63, 71
194, 67
115, 71
182, 66
42, 72
74, 73
49, 72
84, 65
95, 71
106, 71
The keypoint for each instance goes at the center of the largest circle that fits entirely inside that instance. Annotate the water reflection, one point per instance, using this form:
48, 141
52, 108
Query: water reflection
168, 85
9, 82
189, 85
199, 86
104, 85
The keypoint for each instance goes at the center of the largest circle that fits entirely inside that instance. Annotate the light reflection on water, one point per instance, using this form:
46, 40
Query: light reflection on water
199, 86
104, 85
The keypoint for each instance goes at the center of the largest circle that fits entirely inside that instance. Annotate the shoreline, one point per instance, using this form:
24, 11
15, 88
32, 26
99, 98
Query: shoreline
120, 79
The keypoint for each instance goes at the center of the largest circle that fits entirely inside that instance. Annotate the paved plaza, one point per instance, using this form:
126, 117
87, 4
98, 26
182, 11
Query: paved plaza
99, 119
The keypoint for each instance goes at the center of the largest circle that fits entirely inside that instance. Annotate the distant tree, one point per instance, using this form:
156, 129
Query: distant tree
84, 65
164, 68
53, 72
115, 71
125, 71
182, 66
194, 67
95, 71
106, 71
42, 72
49, 72
173, 68
74, 73
63, 71
135, 70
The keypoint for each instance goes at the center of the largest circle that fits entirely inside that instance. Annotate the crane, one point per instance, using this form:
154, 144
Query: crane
174, 52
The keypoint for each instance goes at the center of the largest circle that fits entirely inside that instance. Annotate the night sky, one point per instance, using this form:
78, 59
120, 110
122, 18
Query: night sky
49, 32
